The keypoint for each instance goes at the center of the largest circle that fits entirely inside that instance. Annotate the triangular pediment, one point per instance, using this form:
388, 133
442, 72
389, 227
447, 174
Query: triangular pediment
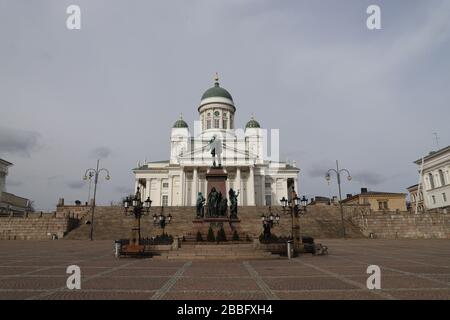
230, 150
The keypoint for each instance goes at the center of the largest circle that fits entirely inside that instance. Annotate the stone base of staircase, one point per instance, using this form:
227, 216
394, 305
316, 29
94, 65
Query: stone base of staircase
217, 252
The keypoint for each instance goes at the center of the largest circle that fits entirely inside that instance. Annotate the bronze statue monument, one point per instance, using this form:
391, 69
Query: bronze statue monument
200, 205
233, 203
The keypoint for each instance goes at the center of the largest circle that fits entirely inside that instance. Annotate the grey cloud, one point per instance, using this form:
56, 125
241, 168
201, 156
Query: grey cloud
13, 183
368, 178
318, 170
19, 142
311, 68
101, 152
54, 179
123, 190
75, 184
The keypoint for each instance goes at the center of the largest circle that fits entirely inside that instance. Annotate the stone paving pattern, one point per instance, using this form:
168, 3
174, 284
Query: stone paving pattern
410, 269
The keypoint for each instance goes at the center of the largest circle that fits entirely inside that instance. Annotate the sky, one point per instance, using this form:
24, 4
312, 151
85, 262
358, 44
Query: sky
371, 99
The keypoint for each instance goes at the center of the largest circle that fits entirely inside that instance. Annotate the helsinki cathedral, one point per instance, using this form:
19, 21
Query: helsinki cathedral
251, 164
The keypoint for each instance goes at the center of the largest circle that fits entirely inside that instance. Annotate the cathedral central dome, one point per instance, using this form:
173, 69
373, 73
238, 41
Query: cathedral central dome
216, 91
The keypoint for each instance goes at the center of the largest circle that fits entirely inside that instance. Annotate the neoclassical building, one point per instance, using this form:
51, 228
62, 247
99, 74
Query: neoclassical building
435, 177
260, 179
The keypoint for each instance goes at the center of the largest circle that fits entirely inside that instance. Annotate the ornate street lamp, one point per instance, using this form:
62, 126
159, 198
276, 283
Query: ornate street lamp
269, 221
294, 207
162, 220
139, 209
338, 176
88, 175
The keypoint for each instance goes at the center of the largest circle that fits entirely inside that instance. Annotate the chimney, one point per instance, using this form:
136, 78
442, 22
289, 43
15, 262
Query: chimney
349, 195
363, 190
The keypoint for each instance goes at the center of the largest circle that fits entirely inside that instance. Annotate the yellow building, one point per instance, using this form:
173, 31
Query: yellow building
378, 201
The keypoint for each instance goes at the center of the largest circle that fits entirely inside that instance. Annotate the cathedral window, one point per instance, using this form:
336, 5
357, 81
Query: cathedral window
224, 120
208, 120
217, 119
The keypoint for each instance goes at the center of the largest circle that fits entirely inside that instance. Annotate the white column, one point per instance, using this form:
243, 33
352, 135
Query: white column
182, 186
159, 190
296, 185
238, 184
147, 189
194, 186
286, 192
136, 185
263, 189
273, 191
169, 200
251, 186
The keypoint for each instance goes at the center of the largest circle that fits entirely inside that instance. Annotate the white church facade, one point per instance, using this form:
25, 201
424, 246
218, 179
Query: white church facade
259, 179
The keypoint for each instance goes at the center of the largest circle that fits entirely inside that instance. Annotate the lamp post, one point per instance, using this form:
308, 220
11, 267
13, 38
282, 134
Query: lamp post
89, 176
95, 173
268, 222
161, 220
294, 207
338, 176
139, 209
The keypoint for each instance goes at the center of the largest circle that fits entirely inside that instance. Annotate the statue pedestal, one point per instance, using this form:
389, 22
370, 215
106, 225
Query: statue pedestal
216, 177
229, 225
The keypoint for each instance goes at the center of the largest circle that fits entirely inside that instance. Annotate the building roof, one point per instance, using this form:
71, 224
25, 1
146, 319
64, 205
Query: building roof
433, 154
216, 91
13, 200
412, 187
252, 124
146, 167
374, 194
6, 163
180, 123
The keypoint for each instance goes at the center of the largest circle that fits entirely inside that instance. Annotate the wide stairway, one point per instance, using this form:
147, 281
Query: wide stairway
110, 223
217, 252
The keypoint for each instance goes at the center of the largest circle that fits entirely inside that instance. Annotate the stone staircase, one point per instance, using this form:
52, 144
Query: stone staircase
217, 252
110, 223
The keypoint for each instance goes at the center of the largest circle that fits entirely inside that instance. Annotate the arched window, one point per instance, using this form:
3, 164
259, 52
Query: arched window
208, 121
216, 119
441, 177
430, 176
224, 121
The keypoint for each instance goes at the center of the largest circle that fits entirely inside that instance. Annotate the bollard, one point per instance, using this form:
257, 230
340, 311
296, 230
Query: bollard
117, 248
289, 249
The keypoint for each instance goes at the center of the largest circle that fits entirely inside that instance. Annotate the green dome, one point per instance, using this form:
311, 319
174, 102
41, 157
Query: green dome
216, 91
180, 123
252, 124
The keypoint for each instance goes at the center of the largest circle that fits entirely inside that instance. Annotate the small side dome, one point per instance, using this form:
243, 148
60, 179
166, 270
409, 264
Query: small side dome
180, 123
252, 124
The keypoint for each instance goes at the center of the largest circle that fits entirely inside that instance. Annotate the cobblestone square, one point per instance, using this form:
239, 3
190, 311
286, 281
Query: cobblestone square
410, 269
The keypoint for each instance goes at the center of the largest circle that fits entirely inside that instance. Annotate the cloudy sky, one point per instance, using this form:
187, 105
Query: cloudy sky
370, 98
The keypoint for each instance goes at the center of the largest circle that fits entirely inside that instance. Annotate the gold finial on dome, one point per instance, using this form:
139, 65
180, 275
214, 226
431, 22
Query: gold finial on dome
181, 115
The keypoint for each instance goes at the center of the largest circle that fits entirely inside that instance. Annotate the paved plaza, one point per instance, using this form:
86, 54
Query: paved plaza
410, 269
